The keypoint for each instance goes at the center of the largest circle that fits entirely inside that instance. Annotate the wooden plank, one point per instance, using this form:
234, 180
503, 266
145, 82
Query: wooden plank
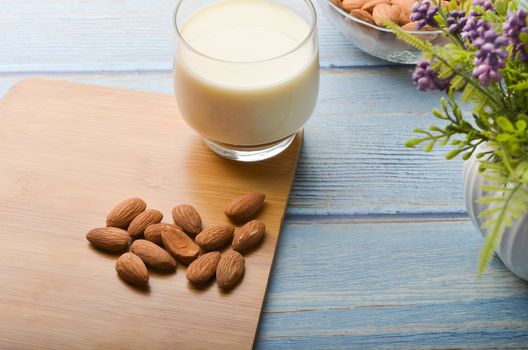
104, 35
389, 284
68, 153
353, 159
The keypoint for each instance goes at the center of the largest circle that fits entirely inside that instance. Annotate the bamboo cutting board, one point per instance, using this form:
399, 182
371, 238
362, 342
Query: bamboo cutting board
68, 153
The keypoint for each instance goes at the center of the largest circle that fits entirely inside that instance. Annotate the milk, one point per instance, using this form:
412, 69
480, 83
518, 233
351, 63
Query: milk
247, 86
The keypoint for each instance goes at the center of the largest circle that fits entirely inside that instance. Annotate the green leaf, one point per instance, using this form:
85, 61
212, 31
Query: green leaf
467, 155
458, 82
452, 154
523, 197
504, 124
486, 253
445, 141
493, 177
422, 131
439, 114
429, 147
525, 177
481, 154
521, 125
491, 199
523, 85
410, 39
504, 137
523, 37
443, 103
480, 123
502, 7
521, 168
481, 102
436, 65
489, 212
413, 142
468, 93
493, 166
497, 225
520, 204
439, 19
493, 188
513, 212
445, 72
490, 223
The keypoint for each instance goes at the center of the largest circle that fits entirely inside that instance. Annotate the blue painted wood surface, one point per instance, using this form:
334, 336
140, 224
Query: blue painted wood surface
376, 250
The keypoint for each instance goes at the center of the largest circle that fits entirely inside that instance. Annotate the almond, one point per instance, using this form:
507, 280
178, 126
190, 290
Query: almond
405, 5
142, 221
349, 5
248, 236
132, 269
336, 2
203, 269
384, 12
123, 213
153, 232
405, 17
230, 269
187, 217
180, 245
369, 6
394, 14
245, 206
411, 26
406, 10
362, 15
109, 238
152, 255
214, 238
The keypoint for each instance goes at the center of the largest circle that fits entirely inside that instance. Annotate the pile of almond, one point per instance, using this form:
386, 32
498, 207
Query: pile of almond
160, 245
378, 11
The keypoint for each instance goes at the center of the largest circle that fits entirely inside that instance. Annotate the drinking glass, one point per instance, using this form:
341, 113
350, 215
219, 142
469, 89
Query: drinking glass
246, 73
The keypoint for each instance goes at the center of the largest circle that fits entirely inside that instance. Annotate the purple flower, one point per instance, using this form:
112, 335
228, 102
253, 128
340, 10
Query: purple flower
474, 28
490, 57
489, 37
485, 4
456, 20
473, 25
427, 79
486, 73
515, 25
424, 13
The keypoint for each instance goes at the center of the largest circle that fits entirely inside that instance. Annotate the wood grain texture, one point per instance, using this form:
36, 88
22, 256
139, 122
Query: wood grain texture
376, 251
113, 35
353, 160
68, 154
362, 284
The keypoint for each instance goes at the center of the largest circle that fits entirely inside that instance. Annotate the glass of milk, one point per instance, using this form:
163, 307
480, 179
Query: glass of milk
246, 72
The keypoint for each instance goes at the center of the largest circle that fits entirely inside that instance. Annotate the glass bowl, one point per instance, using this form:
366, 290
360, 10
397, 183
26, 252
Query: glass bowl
374, 40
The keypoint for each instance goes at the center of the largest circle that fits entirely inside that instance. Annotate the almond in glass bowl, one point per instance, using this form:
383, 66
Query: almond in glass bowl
360, 21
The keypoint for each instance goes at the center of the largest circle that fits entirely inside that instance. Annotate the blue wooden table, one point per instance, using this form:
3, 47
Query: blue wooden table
377, 250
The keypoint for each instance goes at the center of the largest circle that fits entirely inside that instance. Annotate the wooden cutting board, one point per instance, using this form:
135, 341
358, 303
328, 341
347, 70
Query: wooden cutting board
68, 153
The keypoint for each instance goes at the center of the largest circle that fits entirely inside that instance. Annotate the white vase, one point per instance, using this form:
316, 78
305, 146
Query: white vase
513, 248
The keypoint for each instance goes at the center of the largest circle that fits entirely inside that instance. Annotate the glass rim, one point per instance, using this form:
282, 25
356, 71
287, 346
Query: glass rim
310, 34
381, 29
